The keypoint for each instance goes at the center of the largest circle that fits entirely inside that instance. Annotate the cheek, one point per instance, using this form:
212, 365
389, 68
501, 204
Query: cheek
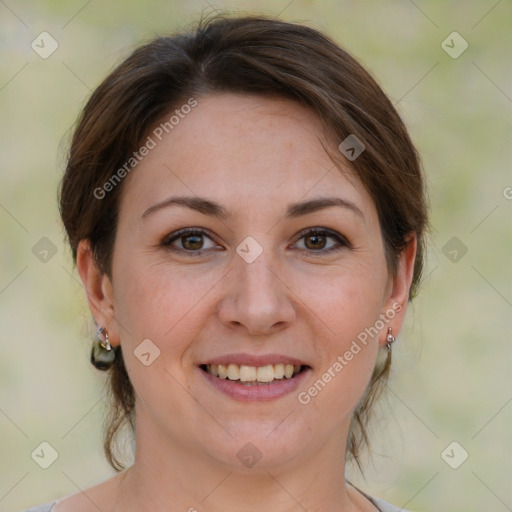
346, 302
159, 304
153, 300
346, 305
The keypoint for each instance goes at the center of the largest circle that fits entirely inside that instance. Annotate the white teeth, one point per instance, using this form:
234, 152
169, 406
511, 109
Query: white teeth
278, 371
233, 372
246, 373
265, 373
223, 371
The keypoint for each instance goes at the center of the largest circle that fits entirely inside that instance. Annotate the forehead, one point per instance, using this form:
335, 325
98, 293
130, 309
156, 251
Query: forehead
248, 148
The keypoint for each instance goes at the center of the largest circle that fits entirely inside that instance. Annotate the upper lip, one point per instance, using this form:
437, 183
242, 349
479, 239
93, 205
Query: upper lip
255, 360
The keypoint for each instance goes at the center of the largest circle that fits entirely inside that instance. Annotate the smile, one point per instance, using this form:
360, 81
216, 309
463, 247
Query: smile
253, 375
246, 383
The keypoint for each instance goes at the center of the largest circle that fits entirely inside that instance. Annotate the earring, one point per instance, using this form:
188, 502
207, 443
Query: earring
390, 339
102, 352
103, 338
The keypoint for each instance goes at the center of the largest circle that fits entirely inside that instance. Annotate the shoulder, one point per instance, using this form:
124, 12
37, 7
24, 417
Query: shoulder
46, 507
380, 505
99, 497
384, 506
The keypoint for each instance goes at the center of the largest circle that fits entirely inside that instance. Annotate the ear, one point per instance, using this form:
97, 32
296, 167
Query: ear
397, 295
98, 287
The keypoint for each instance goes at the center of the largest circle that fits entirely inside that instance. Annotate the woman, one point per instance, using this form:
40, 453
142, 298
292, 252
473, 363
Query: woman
247, 214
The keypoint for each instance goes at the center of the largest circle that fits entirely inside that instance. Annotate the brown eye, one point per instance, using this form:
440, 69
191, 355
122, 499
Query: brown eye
322, 241
192, 242
315, 242
189, 241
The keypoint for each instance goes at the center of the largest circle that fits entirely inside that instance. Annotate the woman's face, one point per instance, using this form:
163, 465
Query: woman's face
283, 264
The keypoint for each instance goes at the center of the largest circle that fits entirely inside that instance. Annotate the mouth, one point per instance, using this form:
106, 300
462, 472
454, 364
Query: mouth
254, 375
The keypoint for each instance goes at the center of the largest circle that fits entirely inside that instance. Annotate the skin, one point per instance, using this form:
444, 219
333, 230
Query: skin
255, 157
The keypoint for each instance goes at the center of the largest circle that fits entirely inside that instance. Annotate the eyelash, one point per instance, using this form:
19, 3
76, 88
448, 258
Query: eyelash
320, 232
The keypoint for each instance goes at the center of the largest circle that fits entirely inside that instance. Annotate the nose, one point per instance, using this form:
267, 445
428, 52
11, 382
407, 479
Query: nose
257, 298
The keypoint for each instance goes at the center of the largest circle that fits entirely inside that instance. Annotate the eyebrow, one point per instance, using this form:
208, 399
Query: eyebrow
205, 206
214, 209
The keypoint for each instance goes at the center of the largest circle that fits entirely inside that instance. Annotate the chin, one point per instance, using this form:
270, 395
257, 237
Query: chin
259, 447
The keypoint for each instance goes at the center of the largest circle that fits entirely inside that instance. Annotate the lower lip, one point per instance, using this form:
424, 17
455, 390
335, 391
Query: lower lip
275, 389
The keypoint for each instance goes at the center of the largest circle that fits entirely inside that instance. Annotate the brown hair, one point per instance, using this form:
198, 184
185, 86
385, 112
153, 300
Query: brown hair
248, 55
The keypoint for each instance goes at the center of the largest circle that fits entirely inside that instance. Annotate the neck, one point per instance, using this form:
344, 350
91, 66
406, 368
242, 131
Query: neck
172, 476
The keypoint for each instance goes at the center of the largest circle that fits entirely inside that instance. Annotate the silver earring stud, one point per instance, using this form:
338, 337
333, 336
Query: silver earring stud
390, 338
103, 338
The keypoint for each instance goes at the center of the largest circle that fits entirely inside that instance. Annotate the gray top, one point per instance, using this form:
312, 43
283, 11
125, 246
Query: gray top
42, 508
383, 506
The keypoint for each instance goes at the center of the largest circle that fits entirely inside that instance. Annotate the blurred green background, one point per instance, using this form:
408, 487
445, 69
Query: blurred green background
452, 368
